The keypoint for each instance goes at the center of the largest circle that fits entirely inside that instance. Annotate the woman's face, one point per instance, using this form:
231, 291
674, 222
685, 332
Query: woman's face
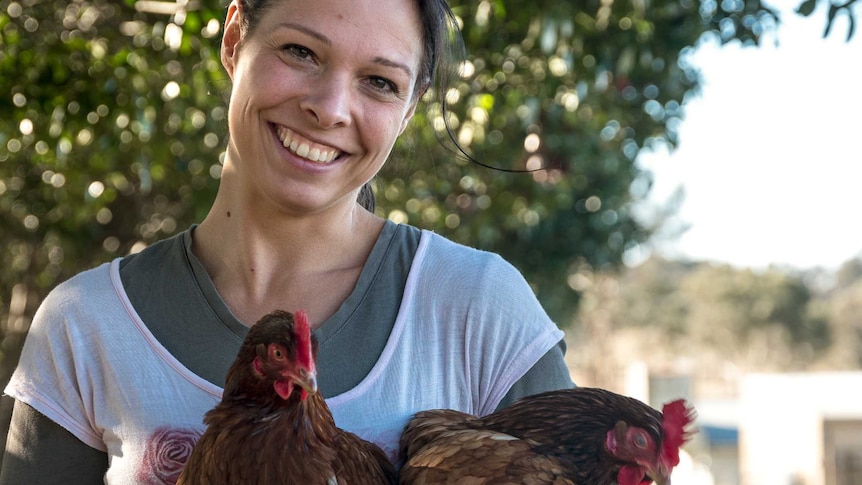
321, 90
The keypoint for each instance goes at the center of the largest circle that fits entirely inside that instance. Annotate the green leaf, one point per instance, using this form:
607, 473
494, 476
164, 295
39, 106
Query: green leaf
806, 8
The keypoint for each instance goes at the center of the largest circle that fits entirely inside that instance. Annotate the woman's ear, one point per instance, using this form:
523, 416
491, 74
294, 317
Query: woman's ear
405, 123
231, 39
408, 116
417, 97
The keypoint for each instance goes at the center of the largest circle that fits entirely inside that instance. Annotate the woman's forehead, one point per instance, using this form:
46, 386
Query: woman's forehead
372, 27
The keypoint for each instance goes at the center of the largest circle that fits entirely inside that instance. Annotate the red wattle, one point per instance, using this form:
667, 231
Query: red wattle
631, 475
283, 388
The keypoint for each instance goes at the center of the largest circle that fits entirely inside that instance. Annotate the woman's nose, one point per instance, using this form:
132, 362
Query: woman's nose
328, 101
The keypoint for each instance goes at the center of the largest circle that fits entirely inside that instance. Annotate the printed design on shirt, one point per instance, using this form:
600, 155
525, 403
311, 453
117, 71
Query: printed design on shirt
168, 450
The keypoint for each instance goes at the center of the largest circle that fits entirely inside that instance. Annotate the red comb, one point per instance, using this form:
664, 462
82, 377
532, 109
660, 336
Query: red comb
676, 415
302, 331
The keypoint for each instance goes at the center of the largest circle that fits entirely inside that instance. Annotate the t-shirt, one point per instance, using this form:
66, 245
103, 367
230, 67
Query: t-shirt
467, 328
167, 284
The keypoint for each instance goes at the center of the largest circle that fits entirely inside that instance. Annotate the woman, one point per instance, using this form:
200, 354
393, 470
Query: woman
122, 361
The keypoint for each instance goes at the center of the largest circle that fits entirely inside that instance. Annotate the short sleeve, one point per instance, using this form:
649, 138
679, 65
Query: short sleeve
496, 329
550, 373
52, 375
516, 332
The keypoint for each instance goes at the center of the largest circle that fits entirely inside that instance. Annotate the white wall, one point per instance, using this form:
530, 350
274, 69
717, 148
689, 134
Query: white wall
781, 424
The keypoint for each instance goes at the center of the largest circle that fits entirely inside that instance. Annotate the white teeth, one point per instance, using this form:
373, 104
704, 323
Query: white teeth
302, 151
302, 148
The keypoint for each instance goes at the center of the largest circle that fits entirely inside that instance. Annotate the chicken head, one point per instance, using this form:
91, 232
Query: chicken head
648, 457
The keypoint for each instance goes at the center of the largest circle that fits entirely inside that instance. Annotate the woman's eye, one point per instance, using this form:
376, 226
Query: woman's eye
298, 51
383, 84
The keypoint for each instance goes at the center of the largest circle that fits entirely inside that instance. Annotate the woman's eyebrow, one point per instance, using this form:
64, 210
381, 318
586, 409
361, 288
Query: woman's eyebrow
324, 39
311, 32
397, 65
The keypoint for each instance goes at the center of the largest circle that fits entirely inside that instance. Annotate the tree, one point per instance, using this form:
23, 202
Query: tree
577, 89
739, 311
711, 315
849, 273
847, 316
110, 138
834, 9
114, 125
112, 134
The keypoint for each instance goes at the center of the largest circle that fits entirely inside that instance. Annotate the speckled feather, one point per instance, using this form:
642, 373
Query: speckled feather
557, 437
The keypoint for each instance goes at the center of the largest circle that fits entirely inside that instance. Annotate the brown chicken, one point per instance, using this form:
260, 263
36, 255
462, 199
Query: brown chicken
581, 436
272, 427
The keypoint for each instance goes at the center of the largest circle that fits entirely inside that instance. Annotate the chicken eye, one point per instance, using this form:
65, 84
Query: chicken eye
640, 441
276, 352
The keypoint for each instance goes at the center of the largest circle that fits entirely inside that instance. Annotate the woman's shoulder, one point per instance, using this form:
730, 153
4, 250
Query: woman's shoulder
96, 287
450, 257
158, 253
445, 269
101, 274
83, 286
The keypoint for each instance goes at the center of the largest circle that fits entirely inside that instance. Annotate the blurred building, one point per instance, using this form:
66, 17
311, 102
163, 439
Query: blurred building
782, 429
801, 429
762, 428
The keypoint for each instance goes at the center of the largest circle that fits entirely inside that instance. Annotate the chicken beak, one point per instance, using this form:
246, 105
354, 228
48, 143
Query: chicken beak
308, 382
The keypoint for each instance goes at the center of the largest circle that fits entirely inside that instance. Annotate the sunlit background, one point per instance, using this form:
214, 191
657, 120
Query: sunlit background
769, 158
767, 179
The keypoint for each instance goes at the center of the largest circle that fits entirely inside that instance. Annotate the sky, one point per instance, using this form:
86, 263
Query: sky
769, 157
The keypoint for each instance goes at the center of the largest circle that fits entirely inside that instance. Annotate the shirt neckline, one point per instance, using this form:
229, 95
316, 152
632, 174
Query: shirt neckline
332, 324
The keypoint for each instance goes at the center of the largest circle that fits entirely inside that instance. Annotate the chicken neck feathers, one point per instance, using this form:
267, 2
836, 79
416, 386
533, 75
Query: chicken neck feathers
256, 436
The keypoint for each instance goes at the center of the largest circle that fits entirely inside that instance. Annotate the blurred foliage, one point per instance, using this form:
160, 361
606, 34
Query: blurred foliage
729, 306
110, 136
848, 274
576, 89
846, 313
758, 320
113, 129
834, 9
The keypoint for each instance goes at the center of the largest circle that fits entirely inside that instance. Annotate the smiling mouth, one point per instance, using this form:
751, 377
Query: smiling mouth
303, 148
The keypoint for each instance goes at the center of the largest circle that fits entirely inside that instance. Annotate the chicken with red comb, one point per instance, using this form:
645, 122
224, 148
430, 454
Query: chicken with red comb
272, 426
676, 416
580, 436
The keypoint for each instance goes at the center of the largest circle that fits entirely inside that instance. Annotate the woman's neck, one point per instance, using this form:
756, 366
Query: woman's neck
256, 258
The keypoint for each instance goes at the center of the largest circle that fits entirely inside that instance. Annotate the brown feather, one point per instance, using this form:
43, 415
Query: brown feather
557, 437
255, 437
